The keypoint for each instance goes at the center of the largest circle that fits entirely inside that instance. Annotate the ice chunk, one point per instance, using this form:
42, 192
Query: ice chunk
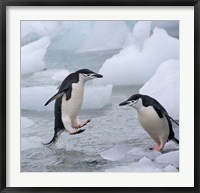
171, 158
32, 56
140, 153
97, 97
71, 36
141, 32
134, 67
47, 77
145, 161
33, 30
135, 167
106, 35
34, 98
115, 153
170, 168
164, 86
25, 122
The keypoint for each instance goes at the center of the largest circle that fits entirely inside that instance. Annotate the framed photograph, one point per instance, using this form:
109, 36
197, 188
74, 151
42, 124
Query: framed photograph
99, 96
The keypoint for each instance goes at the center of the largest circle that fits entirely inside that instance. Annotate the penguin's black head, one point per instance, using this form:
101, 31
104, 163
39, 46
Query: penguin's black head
133, 101
88, 74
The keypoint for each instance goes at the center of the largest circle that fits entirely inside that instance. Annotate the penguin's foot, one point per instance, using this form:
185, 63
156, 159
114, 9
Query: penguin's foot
74, 132
157, 147
84, 123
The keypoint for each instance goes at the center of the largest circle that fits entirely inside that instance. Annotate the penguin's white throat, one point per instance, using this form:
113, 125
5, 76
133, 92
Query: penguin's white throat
138, 105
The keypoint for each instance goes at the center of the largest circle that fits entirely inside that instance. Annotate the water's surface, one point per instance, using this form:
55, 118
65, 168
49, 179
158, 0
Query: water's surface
110, 127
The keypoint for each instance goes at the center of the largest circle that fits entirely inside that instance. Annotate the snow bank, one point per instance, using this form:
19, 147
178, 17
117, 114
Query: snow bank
133, 66
105, 35
32, 56
164, 87
34, 98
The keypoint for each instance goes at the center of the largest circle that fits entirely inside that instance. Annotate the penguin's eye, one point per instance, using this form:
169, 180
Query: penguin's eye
134, 101
86, 75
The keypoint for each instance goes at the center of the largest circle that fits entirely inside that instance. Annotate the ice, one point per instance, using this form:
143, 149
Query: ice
170, 168
164, 86
33, 30
115, 153
71, 35
141, 32
34, 98
105, 35
52, 76
97, 97
171, 158
140, 153
30, 143
136, 167
32, 56
134, 67
26, 122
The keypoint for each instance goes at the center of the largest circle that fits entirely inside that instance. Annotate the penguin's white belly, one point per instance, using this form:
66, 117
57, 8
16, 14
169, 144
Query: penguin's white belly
155, 126
72, 106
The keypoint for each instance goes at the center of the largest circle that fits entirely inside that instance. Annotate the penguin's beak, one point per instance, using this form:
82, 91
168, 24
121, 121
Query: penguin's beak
97, 76
124, 103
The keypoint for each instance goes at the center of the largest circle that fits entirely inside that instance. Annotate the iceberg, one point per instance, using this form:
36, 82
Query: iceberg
105, 35
32, 56
34, 30
164, 86
133, 66
34, 98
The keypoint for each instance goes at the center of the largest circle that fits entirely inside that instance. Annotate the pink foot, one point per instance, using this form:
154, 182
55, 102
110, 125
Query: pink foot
74, 132
84, 123
158, 147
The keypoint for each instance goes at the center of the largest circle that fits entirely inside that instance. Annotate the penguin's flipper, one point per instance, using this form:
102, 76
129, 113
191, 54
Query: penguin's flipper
57, 95
160, 111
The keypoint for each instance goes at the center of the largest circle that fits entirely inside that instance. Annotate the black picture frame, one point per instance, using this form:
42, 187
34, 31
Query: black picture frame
5, 3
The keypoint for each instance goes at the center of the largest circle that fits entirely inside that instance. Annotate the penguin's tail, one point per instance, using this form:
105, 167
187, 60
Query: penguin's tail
175, 140
53, 140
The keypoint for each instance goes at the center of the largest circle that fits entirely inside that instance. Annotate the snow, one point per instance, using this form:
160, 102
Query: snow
133, 66
34, 98
164, 87
32, 56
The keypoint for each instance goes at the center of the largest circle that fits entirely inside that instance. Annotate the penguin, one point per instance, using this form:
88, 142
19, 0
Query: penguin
68, 102
154, 119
